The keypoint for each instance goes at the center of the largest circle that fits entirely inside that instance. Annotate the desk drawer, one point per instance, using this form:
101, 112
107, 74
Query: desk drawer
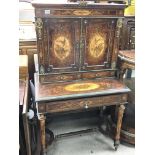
85, 103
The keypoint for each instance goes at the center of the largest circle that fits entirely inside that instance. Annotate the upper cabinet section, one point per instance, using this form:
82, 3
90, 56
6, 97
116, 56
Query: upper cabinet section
77, 38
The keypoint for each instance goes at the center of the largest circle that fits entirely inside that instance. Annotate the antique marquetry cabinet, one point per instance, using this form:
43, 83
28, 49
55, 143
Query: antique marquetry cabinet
77, 54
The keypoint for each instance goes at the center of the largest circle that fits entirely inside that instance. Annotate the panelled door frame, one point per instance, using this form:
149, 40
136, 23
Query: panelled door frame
109, 29
74, 43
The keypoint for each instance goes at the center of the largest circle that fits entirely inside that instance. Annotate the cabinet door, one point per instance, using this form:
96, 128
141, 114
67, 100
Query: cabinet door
61, 43
97, 42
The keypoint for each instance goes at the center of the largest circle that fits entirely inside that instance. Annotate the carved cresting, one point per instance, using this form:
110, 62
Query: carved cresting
39, 26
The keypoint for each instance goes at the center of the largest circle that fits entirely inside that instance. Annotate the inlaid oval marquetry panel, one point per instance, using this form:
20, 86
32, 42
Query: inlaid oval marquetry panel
82, 87
81, 12
62, 47
97, 45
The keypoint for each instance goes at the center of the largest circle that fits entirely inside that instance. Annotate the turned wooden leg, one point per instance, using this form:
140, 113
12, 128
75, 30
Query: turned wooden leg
42, 134
118, 127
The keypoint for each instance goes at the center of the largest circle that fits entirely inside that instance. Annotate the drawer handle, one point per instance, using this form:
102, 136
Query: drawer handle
86, 106
62, 77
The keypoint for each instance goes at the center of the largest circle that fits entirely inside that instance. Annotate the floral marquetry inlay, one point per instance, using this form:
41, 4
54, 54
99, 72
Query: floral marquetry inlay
97, 45
62, 47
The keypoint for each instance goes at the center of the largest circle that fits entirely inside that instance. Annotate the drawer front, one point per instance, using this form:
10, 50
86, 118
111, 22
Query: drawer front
77, 12
54, 78
74, 76
92, 75
85, 103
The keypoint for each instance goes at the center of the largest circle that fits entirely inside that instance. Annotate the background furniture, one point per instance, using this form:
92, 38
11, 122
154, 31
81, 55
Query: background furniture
24, 134
126, 60
127, 37
77, 55
29, 48
27, 34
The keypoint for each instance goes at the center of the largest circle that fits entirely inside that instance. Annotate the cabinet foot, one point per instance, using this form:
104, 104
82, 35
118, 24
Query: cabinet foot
50, 138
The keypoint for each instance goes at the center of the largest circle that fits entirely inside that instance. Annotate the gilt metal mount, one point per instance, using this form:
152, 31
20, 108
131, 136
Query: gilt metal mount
39, 26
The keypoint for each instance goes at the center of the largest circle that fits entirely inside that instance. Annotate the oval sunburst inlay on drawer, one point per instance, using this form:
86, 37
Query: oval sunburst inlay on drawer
81, 87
